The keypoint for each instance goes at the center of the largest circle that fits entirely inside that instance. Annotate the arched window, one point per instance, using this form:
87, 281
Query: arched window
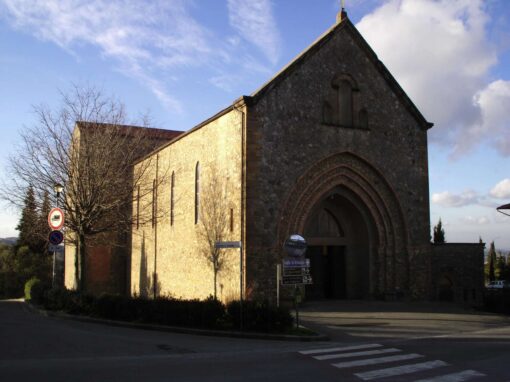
172, 196
138, 207
339, 106
153, 220
344, 99
197, 192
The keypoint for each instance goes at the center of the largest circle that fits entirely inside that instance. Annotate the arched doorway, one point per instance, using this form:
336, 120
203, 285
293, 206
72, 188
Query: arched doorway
351, 217
340, 237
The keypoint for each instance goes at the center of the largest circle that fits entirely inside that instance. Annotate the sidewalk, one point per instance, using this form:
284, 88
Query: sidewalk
359, 320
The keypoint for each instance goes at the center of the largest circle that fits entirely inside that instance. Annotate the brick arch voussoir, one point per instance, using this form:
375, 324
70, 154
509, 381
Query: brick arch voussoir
343, 177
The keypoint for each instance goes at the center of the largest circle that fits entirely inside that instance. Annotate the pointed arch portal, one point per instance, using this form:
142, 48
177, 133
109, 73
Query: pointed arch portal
354, 226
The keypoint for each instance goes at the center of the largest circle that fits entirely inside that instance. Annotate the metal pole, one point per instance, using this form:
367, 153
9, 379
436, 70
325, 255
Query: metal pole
278, 266
54, 253
296, 305
53, 272
241, 285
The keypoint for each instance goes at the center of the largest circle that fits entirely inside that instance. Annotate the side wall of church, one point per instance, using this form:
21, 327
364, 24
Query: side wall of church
289, 131
168, 250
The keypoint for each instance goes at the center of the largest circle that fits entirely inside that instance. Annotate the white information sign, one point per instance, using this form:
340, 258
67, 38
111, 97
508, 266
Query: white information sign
56, 248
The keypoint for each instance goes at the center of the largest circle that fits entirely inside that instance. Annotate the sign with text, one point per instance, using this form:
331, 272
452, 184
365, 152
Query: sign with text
296, 271
56, 248
296, 280
296, 263
227, 244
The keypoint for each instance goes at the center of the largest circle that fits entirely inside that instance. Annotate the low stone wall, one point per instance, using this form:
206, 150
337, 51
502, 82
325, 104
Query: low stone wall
457, 270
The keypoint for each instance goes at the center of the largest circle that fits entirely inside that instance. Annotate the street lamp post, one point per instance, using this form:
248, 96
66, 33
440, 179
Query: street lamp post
58, 188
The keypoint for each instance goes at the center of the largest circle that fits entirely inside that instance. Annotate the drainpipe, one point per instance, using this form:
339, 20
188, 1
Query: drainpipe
238, 106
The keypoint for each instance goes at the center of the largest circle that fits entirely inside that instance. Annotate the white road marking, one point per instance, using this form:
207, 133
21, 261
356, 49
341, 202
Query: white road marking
346, 348
375, 361
399, 370
356, 354
465, 375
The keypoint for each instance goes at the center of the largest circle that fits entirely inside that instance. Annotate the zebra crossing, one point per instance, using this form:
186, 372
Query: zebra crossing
370, 362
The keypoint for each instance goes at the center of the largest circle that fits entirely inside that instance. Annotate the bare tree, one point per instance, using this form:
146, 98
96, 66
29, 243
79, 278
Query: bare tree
214, 221
87, 146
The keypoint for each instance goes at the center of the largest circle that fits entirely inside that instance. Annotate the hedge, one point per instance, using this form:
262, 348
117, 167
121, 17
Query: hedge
206, 314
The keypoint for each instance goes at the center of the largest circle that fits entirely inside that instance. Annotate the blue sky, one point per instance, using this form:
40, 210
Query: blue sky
182, 61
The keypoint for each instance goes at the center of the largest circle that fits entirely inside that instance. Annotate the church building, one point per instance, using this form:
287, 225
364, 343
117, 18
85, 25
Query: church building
330, 148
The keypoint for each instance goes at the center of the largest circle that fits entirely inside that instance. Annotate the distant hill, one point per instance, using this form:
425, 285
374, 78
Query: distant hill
8, 240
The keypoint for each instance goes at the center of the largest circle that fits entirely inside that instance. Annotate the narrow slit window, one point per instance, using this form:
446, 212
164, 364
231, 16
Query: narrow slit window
197, 192
153, 220
231, 220
138, 207
344, 103
172, 200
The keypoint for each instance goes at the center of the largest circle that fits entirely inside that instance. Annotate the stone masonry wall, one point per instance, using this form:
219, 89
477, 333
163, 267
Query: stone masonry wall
462, 265
286, 136
173, 251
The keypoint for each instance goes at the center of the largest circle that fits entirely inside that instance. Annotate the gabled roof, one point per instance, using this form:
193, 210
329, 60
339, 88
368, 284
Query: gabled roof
358, 38
148, 132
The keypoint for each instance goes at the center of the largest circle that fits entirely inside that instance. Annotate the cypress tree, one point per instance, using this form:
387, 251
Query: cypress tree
28, 224
492, 262
439, 236
43, 229
500, 266
42, 225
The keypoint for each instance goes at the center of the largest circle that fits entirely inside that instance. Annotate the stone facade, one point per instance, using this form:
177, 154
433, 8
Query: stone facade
167, 252
331, 148
333, 131
302, 157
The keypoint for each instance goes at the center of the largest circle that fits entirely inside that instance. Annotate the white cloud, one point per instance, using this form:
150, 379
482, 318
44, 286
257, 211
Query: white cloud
150, 35
501, 190
254, 21
482, 220
448, 199
494, 102
443, 61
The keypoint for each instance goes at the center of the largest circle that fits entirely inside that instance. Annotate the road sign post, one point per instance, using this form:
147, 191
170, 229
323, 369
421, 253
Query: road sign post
56, 222
296, 269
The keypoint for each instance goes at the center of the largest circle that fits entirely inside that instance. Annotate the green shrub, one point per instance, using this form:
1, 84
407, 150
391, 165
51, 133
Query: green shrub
259, 316
207, 314
34, 290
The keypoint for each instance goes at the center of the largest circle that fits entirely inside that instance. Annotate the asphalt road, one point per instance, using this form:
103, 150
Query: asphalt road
380, 343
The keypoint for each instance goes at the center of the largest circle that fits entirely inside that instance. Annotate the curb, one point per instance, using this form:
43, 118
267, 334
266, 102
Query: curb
177, 329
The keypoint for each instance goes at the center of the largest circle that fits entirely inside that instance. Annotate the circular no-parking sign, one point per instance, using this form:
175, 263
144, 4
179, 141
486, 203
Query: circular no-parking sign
56, 237
56, 218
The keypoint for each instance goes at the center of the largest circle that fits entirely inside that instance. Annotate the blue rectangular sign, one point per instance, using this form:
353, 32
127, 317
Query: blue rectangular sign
296, 263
